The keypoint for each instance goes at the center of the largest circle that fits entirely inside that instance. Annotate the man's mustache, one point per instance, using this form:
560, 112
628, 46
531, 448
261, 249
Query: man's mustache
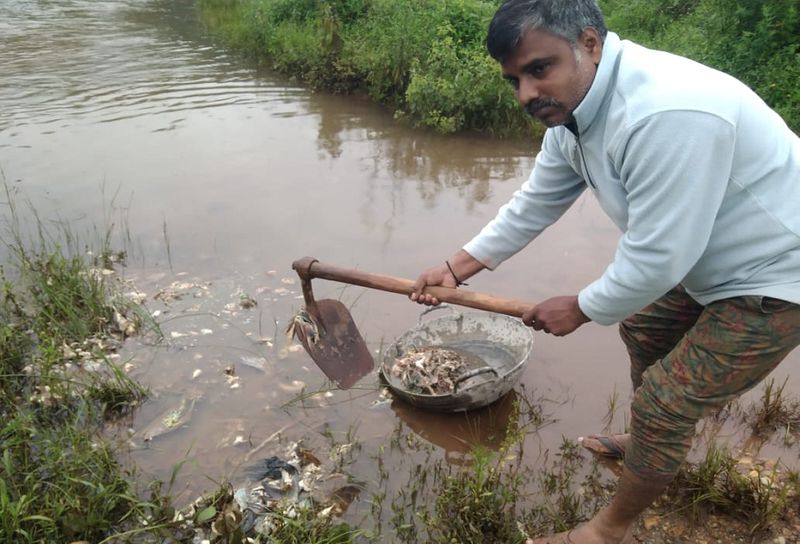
535, 105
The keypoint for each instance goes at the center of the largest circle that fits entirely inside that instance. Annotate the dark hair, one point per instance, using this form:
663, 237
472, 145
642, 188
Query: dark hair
564, 18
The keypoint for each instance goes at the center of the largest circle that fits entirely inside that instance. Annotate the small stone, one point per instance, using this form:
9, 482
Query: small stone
650, 522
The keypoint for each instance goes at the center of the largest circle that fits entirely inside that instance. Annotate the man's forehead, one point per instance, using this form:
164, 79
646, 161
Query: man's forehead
535, 45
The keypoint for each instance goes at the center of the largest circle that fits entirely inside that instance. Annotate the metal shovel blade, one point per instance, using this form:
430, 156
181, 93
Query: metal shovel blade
338, 348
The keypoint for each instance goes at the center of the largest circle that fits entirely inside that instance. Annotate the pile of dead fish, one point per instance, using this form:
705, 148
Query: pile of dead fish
432, 370
281, 488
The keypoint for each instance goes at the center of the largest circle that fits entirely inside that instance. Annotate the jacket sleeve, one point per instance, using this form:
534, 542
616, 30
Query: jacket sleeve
675, 167
549, 191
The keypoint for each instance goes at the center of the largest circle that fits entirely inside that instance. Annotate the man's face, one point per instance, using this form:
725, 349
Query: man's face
549, 77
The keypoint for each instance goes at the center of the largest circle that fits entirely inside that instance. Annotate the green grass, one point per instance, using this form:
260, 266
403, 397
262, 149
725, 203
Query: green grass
774, 412
755, 41
719, 483
59, 477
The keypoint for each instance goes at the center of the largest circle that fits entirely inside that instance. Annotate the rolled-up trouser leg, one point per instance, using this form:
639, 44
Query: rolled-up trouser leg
651, 333
733, 345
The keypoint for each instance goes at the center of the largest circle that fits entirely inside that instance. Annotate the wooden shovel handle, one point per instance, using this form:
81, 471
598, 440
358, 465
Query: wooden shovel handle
308, 268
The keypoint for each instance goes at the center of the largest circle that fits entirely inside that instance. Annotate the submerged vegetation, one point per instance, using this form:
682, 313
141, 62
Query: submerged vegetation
426, 58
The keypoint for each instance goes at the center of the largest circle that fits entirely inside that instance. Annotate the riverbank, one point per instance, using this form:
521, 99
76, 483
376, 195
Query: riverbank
426, 60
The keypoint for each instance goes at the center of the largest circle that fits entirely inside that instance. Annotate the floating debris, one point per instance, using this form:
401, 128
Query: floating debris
178, 289
433, 370
269, 468
136, 297
169, 420
246, 301
296, 386
259, 363
128, 327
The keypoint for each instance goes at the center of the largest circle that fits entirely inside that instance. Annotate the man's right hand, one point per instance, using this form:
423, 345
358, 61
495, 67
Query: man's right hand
438, 275
462, 266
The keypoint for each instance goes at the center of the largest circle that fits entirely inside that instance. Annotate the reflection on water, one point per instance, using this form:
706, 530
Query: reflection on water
457, 434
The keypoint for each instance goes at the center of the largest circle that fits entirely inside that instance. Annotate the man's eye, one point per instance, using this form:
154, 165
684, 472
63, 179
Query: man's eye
514, 82
537, 69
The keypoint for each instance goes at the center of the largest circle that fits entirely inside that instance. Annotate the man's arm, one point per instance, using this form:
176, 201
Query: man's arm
551, 189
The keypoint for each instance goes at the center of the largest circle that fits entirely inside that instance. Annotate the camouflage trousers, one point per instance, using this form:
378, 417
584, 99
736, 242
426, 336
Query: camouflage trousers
689, 360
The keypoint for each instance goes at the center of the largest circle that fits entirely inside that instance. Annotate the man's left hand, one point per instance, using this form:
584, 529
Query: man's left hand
558, 316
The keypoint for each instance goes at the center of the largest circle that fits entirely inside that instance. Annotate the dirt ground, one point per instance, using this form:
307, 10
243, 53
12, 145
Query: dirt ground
713, 529
666, 523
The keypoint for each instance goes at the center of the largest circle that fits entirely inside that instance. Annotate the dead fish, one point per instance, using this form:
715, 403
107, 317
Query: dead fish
433, 370
169, 420
303, 328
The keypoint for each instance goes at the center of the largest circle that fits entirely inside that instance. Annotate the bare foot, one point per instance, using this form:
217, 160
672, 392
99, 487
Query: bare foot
585, 534
606, 445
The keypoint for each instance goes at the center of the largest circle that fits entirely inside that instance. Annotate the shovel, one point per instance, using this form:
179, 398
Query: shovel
329, 335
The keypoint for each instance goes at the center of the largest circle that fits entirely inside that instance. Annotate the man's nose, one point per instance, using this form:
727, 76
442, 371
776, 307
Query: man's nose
528, 90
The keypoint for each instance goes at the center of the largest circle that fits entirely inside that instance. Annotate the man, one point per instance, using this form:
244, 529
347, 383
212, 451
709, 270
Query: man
703, 180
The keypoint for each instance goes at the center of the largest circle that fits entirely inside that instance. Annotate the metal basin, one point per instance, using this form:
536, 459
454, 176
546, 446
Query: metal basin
503, 343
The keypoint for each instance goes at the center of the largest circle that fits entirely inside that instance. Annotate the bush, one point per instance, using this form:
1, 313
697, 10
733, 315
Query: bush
456, 89
757, 41
425, 58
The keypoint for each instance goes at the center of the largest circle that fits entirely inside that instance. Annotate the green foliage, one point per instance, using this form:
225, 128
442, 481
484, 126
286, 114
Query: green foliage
425, 58
385, 45
457, 89
305, 526
476, 505
756, 41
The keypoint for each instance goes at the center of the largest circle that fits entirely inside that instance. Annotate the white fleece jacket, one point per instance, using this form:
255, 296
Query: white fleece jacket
701, 176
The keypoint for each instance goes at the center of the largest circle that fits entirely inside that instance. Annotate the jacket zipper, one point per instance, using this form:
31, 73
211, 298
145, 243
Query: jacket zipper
583, 161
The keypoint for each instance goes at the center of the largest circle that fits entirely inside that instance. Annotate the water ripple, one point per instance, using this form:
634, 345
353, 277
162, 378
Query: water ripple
71, 60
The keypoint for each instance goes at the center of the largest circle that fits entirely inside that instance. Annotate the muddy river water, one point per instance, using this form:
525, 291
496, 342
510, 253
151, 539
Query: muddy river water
217, 175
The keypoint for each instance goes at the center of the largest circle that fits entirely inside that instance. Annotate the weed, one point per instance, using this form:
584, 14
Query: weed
566, 497
611, 412
720, 483
59, 479
773, 412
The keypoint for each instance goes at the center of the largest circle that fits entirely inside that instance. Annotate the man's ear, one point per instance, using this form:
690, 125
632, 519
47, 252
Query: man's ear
591, 44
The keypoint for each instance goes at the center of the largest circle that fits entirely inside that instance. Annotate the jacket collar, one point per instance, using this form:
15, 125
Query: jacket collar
587, 110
